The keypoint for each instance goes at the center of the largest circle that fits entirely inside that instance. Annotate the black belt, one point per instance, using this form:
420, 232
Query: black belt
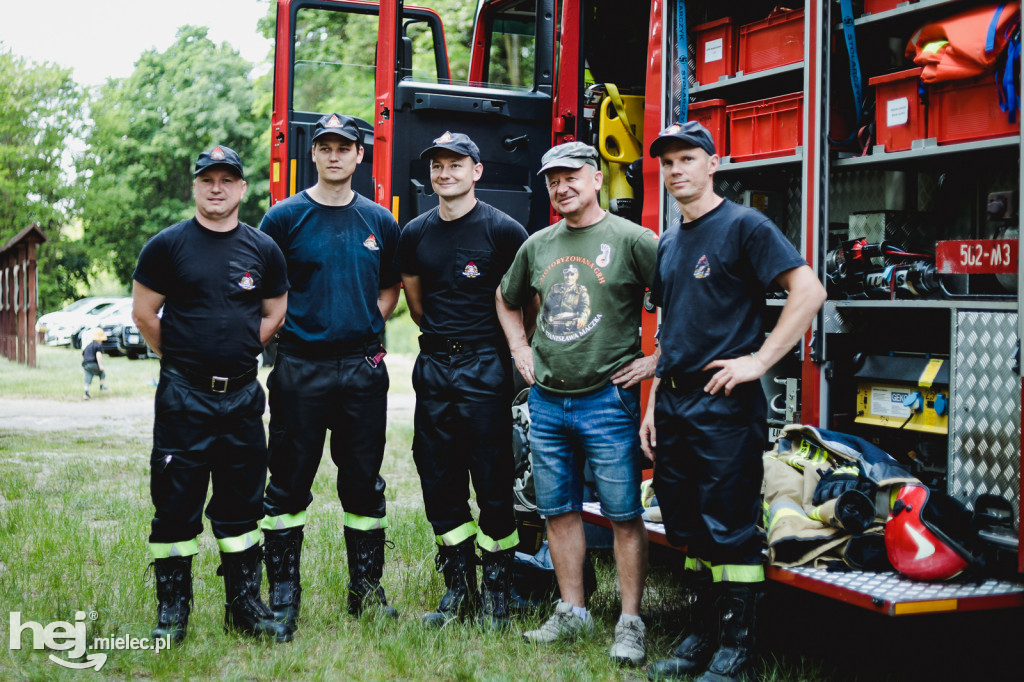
214, 384
686, 381
329, 351
431, 343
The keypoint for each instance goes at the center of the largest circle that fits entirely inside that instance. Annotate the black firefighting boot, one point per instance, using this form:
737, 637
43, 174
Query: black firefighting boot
173, 595
243, 609
365, 550
497, 582
694, 653
282, 550
457, 564
737, 609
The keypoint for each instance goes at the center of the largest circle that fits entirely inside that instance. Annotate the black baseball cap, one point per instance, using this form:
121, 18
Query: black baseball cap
336, 124
691, 133
458, 143
568, 155
219, 156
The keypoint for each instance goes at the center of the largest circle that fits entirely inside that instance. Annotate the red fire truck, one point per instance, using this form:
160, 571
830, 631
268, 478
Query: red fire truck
902, 195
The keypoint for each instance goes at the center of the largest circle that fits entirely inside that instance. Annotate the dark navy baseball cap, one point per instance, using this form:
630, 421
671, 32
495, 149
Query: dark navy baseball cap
219, 156
457, 143
569, 155
337, 124
691, 133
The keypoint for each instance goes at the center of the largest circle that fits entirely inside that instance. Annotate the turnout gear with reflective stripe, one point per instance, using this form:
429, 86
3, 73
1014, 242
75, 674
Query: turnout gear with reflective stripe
174, 596
801, 532
244, 611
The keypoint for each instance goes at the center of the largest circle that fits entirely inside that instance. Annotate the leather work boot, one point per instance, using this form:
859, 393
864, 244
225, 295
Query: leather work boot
497, 582
365, 549
173, 595
244, 611
457, 564
737, 608
694, 653
282, 551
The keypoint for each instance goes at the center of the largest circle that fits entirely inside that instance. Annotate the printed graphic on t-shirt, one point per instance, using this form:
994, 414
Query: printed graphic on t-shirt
703, 269
566, 314
371, 243
605, 257
246, 282
471, 270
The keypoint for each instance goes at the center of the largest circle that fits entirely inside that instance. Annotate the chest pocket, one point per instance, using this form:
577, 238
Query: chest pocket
244, 280
474, 268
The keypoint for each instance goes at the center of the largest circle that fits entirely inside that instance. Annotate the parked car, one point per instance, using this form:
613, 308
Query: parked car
57, 327
95, 320
122, 336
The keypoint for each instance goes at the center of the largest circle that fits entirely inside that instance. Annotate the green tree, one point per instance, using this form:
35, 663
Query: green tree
40, 110
146, 132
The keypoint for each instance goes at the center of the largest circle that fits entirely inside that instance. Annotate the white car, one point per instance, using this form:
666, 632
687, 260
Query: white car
58, 327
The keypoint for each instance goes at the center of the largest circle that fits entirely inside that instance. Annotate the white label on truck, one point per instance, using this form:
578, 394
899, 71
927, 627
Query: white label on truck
897, 112
713, 50
886, 402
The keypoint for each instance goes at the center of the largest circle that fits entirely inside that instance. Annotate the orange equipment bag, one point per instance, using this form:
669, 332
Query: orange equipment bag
964, 45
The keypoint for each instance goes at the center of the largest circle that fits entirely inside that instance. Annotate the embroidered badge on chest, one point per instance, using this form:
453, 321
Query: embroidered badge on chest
246, 282
703, 269
471, 270
371, 243
605, 257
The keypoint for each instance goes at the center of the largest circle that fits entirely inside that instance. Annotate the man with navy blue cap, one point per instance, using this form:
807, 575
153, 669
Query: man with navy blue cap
209, 292
451, 259
329, 372
706, 416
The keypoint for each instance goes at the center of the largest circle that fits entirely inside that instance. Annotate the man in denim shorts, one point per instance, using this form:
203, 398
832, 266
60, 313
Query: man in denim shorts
585, 366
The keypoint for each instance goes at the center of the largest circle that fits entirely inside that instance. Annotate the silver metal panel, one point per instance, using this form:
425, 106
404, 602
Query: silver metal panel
896, 588
984, 425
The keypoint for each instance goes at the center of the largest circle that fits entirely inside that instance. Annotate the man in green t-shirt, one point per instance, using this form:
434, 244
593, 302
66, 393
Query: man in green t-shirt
585, 366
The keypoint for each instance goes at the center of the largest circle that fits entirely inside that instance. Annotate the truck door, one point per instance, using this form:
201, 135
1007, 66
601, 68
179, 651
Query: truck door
326, 61
505, 108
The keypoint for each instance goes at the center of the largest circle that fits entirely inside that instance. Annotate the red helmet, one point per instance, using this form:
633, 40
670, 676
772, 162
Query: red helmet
927, 534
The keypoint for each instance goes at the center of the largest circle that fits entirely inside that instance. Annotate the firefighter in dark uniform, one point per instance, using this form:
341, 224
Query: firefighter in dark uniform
329, 371
451, 259
223, 289
706, 417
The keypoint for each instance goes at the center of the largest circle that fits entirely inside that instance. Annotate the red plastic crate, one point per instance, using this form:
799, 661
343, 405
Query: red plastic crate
766, 128
711, 115
966, 110
716, 50
775, 41
876, 6
900, 115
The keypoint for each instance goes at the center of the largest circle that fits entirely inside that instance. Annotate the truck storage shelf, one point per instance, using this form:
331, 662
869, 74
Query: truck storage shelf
790, 159
887, 593
901, 10
746, 78
926, 150
960, 304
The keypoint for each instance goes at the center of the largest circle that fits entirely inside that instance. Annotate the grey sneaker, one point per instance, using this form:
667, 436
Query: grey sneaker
563, 624
630, 646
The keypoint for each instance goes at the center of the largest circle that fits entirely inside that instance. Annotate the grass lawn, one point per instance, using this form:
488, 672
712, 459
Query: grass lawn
74, 519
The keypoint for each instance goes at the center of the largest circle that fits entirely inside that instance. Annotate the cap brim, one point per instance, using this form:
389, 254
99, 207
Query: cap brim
332, 131
208, 166
566, 163
658, 146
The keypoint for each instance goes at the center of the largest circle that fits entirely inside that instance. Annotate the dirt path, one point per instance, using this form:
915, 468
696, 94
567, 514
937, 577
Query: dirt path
117, 415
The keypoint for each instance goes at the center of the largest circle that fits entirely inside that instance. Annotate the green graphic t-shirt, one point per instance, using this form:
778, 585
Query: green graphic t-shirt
591, 282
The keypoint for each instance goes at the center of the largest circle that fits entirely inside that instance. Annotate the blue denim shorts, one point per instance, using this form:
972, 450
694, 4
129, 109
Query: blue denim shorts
602, 428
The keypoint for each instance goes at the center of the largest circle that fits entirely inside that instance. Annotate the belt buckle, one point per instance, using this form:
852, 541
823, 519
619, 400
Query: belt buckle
454, 346
223, 384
